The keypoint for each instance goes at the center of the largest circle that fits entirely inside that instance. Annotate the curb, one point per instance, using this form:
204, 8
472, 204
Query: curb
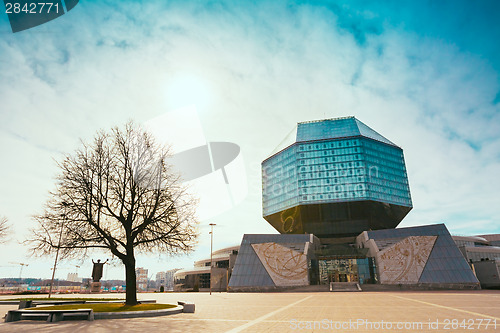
138, 314
46, 302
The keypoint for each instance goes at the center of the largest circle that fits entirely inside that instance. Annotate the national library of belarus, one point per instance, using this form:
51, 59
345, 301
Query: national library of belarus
336, 190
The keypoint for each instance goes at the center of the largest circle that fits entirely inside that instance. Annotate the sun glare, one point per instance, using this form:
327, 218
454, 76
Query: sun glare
187, 90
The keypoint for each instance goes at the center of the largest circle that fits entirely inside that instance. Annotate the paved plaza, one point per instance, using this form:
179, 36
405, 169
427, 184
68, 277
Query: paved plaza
437, 311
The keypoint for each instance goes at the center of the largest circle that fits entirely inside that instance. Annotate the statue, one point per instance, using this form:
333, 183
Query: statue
97, 270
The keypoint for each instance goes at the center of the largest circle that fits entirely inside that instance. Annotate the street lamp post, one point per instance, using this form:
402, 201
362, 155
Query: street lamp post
20, 273
211, 251
55, 262
57, 252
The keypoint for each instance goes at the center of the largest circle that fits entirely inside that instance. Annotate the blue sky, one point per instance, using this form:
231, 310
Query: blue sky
425, 74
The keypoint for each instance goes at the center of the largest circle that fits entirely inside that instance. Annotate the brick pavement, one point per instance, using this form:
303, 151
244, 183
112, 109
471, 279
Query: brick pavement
303, 312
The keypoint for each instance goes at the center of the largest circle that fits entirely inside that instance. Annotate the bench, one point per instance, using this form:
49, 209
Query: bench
35, 303
188, 307
52, 315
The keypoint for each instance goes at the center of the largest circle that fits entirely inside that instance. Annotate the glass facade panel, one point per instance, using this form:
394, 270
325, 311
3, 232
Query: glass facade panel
336, 160
279, 182
387, 180
204, 280
334, 171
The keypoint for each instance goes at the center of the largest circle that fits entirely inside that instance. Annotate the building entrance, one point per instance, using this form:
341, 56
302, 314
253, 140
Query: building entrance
346, 270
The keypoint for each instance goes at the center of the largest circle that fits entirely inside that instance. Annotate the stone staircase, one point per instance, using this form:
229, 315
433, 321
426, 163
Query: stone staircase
344, 286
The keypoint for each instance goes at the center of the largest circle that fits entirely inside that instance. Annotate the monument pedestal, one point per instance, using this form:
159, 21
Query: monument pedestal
95, 287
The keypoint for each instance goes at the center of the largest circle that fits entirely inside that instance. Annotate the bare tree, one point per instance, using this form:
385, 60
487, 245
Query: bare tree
119, 194
4, 228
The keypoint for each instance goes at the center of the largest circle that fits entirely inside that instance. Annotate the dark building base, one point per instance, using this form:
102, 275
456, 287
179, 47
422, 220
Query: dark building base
338, 219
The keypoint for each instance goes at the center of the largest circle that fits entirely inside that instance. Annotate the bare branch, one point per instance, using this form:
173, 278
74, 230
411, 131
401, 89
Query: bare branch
117, 193
4, 229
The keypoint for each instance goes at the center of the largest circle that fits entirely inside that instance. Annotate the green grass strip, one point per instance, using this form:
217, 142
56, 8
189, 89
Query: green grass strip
110, 307
62, 299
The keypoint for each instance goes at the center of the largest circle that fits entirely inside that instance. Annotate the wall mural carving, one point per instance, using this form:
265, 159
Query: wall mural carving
290, 221
403, 262
285, 266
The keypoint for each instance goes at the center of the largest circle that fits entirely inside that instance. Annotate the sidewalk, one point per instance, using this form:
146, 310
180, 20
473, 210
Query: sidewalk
304, 312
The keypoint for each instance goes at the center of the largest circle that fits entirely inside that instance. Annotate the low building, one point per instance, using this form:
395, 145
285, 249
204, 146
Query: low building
493, 239
488, 273
483, 255
478, 248
202, 277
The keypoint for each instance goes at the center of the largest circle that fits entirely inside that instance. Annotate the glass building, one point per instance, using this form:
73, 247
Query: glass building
335, 178
335, 190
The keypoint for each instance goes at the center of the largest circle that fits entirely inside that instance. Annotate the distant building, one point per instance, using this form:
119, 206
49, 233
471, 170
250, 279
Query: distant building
73, 277
493, 239
166, 279
169, 278
483, 255
161, 280
141, 278
478, 248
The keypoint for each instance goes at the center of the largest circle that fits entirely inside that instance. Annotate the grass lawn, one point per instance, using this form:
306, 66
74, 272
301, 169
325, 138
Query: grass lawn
110, 307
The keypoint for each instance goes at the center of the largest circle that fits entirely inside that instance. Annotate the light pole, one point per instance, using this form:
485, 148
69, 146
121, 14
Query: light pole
20, 272
65, 204
211, 247
55, 262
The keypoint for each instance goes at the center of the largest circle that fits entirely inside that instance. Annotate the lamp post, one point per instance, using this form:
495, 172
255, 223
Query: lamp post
20, 272
211, 247
65, 204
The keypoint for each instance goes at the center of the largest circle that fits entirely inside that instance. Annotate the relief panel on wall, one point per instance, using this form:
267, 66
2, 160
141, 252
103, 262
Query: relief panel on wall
403, 262
286, 267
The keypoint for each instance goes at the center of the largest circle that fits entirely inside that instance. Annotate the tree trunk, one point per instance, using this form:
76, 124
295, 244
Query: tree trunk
131, 286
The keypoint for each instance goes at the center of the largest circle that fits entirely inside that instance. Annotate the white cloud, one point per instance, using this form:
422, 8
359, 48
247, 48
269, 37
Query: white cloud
268, 67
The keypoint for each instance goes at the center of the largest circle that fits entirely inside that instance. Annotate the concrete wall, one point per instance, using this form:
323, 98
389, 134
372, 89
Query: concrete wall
488, 273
